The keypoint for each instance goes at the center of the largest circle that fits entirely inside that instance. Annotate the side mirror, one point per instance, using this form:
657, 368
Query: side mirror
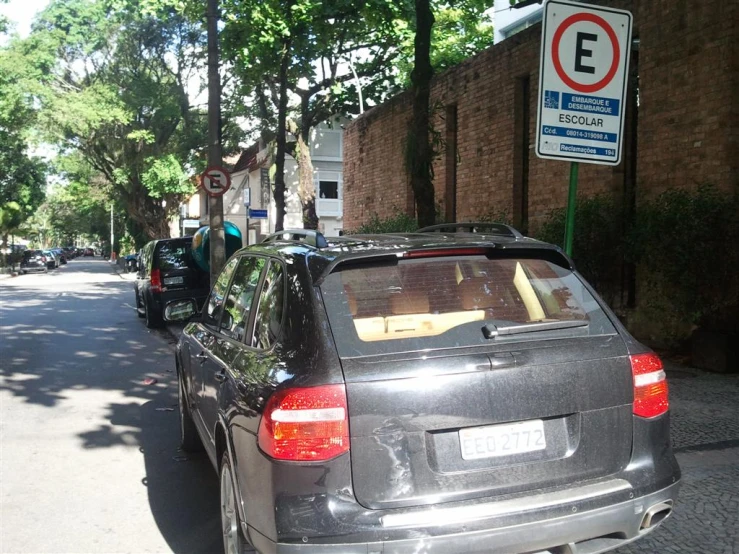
180, 310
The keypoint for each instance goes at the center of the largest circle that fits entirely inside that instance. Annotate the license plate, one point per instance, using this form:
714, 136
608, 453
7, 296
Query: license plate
502, 440
173, 280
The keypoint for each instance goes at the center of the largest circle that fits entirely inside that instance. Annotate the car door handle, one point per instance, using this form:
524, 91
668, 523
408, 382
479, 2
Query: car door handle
202, 357
220, 376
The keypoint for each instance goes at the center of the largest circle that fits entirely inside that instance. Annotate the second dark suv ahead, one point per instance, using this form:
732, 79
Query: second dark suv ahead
166, 272
437, 392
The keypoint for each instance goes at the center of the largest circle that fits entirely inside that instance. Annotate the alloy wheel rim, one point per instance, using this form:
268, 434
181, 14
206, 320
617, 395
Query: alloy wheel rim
229, 523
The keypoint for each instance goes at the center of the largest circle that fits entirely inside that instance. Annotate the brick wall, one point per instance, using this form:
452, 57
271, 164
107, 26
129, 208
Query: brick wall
688, 124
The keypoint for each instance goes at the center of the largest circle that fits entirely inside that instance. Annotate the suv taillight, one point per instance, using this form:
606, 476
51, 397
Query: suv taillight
156, 280
650, 385
305, 424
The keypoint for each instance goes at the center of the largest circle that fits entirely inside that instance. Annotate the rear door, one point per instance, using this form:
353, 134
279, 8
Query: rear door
439, 412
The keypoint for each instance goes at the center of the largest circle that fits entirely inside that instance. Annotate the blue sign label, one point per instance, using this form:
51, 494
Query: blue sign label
551, 99
584, 134
257, 214
589, 150
590, 104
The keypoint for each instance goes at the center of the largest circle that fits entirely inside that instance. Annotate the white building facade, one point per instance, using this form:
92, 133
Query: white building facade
252, 178
508, 21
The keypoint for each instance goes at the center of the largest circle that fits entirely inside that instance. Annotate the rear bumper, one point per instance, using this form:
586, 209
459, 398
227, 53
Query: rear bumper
590, 531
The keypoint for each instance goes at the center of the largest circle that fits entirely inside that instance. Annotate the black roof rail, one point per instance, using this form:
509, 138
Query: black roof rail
307, 236
474, 227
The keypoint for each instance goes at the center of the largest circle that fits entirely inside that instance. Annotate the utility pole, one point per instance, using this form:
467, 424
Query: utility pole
217, 239
112, 232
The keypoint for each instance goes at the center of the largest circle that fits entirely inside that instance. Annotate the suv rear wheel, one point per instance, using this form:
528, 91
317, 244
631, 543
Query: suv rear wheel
139, 306
189, 438
233, 539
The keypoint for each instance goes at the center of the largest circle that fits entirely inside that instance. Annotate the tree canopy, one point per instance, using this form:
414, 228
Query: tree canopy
120, 84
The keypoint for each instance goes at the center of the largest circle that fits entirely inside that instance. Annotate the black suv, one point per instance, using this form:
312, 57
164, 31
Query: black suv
166, 272
33, 260
460, 389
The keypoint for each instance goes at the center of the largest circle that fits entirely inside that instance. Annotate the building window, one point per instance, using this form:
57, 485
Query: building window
328, 189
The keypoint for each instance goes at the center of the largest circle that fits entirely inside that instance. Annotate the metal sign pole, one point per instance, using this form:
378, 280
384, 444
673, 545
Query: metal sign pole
217, 238
571, 201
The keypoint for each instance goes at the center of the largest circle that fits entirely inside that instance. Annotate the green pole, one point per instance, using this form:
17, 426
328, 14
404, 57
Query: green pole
571, 198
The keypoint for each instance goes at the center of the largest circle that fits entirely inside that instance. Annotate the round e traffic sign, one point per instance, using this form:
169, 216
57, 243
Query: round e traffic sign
215, 181
616, 51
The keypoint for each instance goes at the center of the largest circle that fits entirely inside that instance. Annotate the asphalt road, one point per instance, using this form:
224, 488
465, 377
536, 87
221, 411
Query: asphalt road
89, 459
89, 454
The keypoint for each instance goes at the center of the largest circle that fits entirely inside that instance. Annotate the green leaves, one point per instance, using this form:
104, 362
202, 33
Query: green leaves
165, 176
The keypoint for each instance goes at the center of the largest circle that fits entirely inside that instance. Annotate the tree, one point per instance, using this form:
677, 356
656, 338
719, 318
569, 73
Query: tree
418, 145
22, 177
459, 20
116, 90
297, 50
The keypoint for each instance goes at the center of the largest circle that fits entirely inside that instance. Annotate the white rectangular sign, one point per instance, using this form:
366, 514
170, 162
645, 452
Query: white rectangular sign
583, 71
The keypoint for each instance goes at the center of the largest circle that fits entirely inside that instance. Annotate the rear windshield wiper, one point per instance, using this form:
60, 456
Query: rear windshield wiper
491, 331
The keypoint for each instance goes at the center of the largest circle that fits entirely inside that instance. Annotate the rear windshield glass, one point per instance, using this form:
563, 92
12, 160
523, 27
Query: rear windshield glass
31, 254
444, 303
175, 255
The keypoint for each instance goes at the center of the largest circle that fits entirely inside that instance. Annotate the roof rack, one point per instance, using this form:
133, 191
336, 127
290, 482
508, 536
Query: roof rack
473, 227
307, 236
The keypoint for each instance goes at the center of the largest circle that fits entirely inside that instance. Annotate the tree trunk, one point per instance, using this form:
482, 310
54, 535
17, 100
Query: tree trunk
281, 138
418, 147
306, 183
149, 214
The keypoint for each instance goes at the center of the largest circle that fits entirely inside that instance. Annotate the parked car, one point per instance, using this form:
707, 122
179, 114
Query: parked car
33, 260
438, 392
89, 252
166, 272
52, 260
131, 262
61, 255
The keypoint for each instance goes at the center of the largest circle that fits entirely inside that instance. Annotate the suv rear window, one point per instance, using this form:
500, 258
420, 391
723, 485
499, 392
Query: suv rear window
174, 255
444, 303
28, 254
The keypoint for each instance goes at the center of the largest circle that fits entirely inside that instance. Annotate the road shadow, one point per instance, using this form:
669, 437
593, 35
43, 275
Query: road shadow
182, 488
55, 344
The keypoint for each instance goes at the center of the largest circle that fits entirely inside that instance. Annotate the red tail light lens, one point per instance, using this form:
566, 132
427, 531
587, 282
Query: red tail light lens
305, 424
156, 280
650, 385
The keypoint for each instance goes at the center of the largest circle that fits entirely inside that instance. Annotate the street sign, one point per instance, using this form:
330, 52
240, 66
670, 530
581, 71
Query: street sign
215, 181
247, 196
257, 214
583, 70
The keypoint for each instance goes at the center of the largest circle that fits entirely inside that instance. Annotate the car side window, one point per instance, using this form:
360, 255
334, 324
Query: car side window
268, 323
214, 305
240, 297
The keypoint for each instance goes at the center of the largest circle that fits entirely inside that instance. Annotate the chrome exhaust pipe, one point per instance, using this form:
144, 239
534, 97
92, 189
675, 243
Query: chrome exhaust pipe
656, 514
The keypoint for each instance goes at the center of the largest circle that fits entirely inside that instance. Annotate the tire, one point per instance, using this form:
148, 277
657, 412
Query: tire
23, 271
138, 305
233, 540
153, 317
189, 438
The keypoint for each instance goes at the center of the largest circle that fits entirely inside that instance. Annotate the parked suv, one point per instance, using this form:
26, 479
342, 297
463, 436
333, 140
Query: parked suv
166, 272
33, 260
460, 389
